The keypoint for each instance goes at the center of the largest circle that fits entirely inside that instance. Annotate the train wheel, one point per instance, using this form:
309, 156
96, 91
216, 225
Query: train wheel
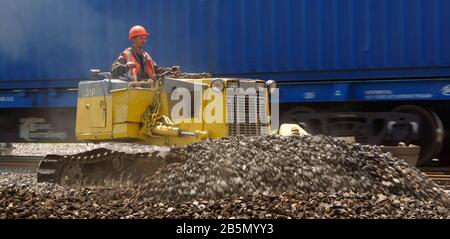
431, 132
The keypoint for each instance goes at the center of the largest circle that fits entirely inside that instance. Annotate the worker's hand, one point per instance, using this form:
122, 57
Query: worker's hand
131, 65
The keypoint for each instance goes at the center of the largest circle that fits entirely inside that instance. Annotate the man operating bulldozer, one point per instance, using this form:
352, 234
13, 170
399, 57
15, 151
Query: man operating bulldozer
134, 62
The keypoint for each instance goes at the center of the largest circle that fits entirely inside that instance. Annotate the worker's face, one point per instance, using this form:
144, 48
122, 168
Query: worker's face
139, 41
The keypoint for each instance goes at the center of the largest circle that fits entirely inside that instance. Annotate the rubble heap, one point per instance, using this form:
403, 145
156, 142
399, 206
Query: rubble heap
265, 165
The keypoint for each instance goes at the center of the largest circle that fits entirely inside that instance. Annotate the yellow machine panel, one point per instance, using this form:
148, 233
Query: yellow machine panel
126, 130
94, 117
114, 111
129, 104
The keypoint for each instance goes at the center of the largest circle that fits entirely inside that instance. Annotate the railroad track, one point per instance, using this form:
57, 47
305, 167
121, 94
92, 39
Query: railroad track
19, 162
441, 175
440, 178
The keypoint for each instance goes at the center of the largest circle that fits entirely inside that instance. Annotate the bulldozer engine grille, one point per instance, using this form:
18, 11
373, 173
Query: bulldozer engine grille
246, 107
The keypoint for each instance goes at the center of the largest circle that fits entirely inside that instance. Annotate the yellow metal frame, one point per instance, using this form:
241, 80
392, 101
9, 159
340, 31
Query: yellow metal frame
118, 117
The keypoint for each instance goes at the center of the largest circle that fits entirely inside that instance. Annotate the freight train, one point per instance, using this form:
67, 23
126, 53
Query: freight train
344, 68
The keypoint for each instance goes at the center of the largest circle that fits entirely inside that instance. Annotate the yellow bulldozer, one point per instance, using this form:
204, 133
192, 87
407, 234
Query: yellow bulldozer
127, 116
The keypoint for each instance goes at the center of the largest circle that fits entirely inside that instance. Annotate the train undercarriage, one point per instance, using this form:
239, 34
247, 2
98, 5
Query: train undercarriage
426, 124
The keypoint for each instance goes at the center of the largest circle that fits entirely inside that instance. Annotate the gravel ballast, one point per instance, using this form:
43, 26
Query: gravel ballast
275, 164
22, 197
253, 177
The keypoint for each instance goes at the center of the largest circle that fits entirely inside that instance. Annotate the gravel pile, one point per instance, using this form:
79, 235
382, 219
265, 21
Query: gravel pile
267, 165
176, 72
42, 149
237, 177
22, 197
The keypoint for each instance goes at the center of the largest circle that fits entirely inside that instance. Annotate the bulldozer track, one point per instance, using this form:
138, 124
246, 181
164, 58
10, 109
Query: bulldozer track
107, 164
19, 162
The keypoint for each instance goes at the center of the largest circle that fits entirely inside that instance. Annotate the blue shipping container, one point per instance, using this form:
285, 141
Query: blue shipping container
53, 43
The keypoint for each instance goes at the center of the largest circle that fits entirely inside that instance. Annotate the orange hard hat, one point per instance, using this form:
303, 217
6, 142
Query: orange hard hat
137, 31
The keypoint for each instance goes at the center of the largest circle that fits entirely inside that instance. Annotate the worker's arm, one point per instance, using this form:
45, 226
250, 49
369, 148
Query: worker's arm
157, 68
119, 67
